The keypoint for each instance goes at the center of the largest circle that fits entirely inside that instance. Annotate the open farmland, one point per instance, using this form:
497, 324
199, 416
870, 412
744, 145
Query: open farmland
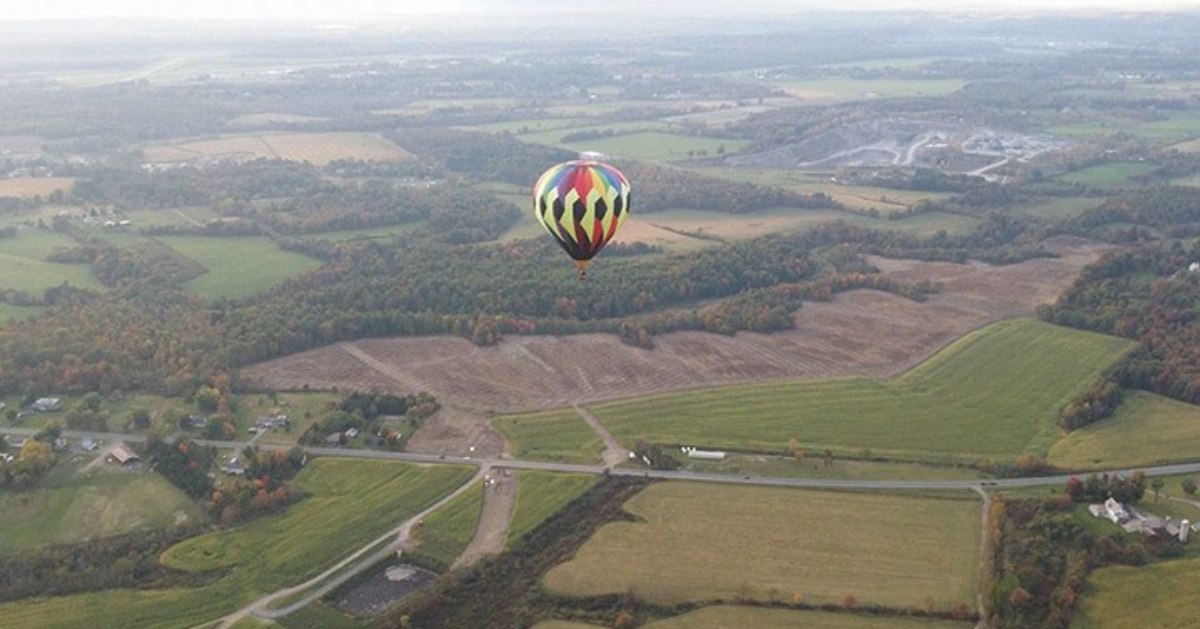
23, 259
540, 495
446, 532
316, 148
1108, 175
238, 267
1145, 429
658, 145
994, 393
29, 187
559, 435
348, 503
848, 89
1162, 596
860, 333
765, 542
109, 502
729, 616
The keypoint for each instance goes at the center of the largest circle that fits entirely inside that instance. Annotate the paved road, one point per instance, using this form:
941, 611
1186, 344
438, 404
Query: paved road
816, 483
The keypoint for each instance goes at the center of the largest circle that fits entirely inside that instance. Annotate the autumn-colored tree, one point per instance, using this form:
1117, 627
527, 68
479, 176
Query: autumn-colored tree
848, 601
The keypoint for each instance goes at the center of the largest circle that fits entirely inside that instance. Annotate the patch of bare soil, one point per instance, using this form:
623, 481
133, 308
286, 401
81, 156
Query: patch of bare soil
860, 333
491, 534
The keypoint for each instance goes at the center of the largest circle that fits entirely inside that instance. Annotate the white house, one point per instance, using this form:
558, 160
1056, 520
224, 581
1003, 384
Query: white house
1110, 510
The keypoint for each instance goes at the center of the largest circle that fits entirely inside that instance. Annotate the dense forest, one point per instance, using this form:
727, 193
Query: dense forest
1150, 294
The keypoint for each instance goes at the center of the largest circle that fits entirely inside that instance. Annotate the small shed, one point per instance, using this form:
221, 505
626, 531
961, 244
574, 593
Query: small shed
121, 454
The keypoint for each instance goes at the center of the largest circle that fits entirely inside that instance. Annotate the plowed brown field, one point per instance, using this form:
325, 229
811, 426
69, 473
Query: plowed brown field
860, 333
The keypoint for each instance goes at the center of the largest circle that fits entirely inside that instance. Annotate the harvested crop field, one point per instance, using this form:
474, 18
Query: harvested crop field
860, 333
317, 148
763, 543
29, 187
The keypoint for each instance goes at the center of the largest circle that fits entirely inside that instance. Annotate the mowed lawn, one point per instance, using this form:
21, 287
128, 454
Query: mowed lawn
238, 266
540, 495
1159, 596
729, 617
996, 392
705, 541
1146, 429
24, 266
349, 503
559, 435
111, 503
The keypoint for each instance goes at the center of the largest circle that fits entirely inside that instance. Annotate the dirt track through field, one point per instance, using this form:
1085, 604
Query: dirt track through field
860, 333
491, 535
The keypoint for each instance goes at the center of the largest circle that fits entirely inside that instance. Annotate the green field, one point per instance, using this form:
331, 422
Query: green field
1145, 429
852, 89
23, 259
698, 542
101, 504
559, 435
536, 125
1158, 596
368, 233
1113, 174
447, 532
1176, 127
996, 392
657, 145
553, 135
540, 495
349, 503
238, 267
9, 312
727, 617
814, 465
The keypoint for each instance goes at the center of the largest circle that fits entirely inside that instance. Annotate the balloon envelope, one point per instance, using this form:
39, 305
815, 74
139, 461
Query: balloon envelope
581, 204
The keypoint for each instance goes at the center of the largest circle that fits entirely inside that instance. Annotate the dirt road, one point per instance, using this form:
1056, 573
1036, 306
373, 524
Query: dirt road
491, 534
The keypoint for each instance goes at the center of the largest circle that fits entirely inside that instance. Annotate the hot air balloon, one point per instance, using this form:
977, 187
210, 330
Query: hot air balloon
581, 204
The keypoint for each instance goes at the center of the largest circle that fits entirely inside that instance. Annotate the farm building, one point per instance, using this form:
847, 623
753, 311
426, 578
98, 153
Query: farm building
195, 422
272, 421
46, 405
707, 455
1194, 267
122, 455
88, 445
1136, 521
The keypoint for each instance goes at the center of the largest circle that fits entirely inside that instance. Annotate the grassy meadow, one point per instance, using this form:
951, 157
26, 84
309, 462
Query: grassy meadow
102, 503
540, 495
238, 267
697, 542
349, 503
1111, 174
9, 312
447, 532
729, 616
1159, 596
23, 259
1145, 429
559, 435
995, 393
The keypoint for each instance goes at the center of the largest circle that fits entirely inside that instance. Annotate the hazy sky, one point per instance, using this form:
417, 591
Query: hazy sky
365, 8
